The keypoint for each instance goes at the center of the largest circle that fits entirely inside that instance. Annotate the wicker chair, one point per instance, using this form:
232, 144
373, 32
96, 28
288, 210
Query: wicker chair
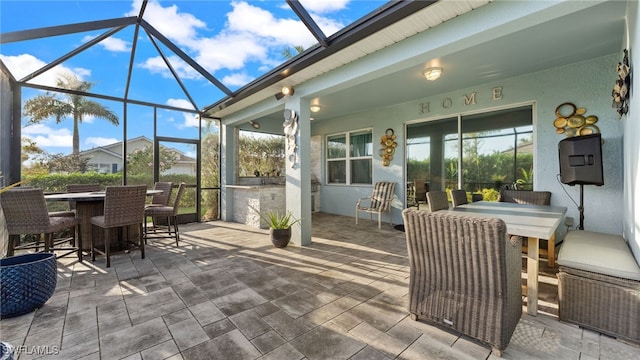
168, 212
525, 197
379, 201
532, 198
26, 213
161, 199
458, 197
437, 200
475, 289
421, 190
123, 207
78, 188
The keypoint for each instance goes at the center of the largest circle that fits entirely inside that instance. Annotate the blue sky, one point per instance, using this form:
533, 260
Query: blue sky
235, 41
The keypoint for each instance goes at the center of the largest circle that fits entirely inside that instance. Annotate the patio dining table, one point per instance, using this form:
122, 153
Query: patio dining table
534, 222
88, 204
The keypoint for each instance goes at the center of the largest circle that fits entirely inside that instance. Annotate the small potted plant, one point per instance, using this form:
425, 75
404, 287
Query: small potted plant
280, 225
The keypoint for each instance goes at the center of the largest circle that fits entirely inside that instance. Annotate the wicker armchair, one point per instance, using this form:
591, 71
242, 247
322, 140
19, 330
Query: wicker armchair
437, 200
474, 289
26, 213
458, 197
123, 207
168, 212
379, 201
532, 198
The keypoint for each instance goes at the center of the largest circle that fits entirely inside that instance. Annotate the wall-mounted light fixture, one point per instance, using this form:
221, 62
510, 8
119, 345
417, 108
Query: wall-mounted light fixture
287, 90
314, 108
433, 73
254, 124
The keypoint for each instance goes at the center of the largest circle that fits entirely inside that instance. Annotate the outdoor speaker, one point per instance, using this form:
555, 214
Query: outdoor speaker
581, 160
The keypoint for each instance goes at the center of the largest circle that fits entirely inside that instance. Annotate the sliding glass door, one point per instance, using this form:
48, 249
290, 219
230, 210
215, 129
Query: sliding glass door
480, 153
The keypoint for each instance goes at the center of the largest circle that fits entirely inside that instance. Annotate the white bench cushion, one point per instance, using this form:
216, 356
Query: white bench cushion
600, 253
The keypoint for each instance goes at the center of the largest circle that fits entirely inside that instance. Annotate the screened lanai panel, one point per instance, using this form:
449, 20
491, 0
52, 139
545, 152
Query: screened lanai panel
177, 124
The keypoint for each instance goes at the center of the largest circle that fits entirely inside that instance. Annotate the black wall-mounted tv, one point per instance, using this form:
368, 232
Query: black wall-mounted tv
581, 160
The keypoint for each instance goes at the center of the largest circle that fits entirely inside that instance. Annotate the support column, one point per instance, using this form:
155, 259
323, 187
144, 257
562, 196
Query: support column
298, 172
228, 169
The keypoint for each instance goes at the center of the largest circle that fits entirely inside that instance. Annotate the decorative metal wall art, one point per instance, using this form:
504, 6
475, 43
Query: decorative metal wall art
622, 87
388, 142
290, 126
572, 121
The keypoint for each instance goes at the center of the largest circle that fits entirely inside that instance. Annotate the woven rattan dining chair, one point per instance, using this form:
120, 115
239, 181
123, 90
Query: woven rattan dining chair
476, 295
437, 200
459, 197
26, 213
379, 201
79, 188
123, 207
168, 212
161, 199
532, 198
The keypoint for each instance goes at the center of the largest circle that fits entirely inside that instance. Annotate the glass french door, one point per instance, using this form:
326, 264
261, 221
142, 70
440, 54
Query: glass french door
178, 160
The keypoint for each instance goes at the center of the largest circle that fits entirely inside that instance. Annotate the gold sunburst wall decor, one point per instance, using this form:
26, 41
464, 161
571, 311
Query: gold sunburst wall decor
388, 142
573, 121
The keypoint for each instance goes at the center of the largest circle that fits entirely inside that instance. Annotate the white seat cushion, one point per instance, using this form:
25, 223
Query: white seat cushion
600, 253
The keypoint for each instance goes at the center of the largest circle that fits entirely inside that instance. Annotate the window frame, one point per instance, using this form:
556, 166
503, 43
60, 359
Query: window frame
348, 158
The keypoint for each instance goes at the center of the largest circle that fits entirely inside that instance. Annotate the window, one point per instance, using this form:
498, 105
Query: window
353, 166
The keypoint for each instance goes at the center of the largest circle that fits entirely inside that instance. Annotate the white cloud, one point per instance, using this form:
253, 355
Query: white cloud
249, 33
190, 119
237, 79
180, 103
44, 135
324, 6
178, 26
249, 19
111, 43
99, 141
25, 64
157, 65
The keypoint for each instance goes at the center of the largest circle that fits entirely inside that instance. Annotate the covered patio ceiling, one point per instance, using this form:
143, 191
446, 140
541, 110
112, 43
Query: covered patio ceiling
576, 32
535, 43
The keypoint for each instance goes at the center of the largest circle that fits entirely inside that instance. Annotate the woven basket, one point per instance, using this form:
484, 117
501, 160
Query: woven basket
26, 282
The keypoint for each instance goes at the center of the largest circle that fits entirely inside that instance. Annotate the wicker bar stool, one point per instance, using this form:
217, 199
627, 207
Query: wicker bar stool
26, 213
170, 213
123, 207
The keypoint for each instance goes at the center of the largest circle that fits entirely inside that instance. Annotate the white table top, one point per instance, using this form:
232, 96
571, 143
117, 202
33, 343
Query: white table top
87, 196
539, 221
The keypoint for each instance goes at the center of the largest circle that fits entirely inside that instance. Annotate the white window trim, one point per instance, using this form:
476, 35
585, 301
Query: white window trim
348, 158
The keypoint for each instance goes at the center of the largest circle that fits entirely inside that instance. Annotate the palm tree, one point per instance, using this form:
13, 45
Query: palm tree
43, 107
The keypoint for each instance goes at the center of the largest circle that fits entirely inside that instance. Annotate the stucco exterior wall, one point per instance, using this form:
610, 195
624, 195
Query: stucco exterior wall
587, 84
631, 124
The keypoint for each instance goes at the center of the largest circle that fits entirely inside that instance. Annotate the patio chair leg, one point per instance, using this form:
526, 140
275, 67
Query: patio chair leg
107, 247
175, 229
79, 242
141, 242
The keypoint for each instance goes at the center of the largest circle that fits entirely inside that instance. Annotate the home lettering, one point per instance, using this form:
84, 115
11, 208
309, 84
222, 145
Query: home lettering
467, 99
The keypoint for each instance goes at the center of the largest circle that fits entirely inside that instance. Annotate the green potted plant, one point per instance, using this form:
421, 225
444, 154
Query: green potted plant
280, 225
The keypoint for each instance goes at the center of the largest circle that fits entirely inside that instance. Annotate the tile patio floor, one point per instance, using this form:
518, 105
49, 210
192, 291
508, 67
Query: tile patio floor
226, 293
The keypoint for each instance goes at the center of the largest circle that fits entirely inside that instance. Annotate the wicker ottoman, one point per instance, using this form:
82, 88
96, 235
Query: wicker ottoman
599, 284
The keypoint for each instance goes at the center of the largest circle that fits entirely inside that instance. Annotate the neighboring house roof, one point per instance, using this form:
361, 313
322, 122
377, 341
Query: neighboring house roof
115, 149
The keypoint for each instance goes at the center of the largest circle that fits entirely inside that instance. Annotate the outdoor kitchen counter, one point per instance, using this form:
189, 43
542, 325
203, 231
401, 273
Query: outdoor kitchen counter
262, 198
